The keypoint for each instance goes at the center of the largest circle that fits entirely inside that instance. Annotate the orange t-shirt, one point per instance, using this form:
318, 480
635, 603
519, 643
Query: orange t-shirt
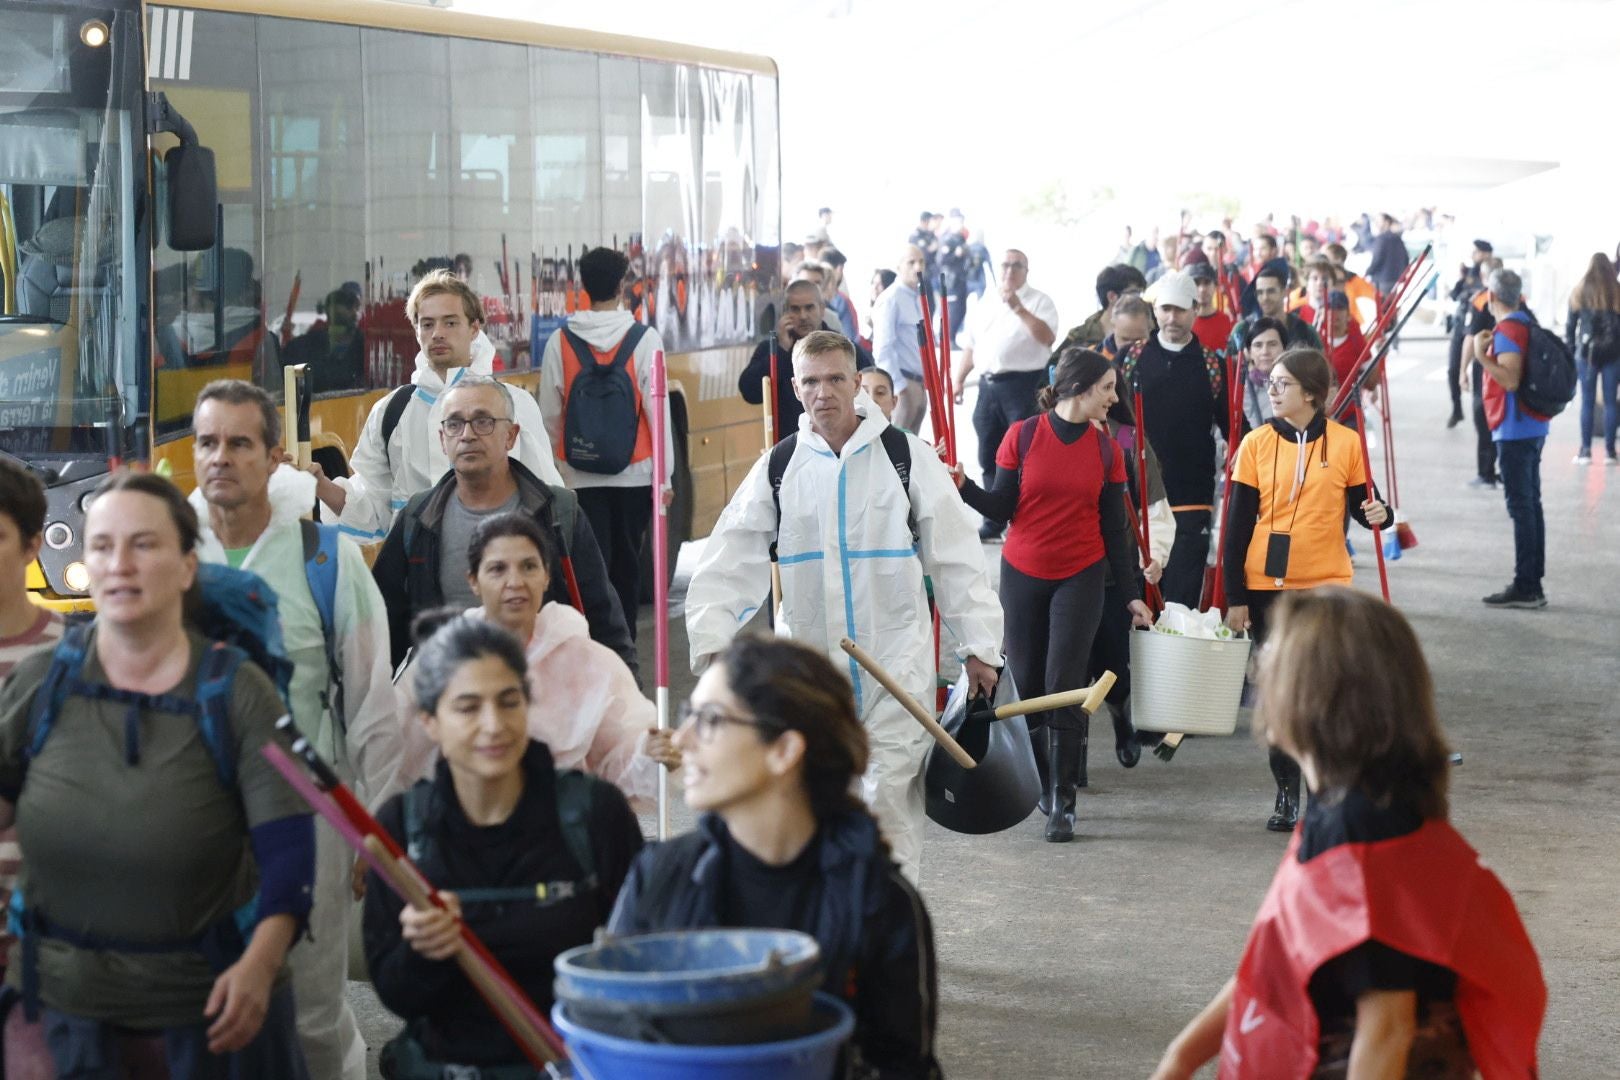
1314, 517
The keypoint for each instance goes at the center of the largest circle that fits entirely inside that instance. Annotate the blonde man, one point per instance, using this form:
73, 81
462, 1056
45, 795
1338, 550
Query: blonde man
398, 453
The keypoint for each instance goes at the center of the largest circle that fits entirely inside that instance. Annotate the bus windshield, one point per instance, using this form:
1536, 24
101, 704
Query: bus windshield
70, 360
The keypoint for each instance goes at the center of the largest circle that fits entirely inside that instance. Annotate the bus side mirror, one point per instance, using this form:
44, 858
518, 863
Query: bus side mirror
193, 197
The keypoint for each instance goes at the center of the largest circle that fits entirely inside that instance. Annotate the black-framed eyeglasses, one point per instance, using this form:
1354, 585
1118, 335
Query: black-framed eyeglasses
1280, 386
481, 425
708, 719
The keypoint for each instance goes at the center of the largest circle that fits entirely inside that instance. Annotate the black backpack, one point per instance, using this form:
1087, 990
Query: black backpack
1547, 379
602, 418
1602, 337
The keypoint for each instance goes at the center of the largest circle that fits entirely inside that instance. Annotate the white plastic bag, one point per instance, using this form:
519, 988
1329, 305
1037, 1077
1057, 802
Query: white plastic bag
1181, 621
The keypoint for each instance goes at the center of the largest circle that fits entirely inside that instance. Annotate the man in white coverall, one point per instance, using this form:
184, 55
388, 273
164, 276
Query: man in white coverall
391, 465
851, 568
249, 511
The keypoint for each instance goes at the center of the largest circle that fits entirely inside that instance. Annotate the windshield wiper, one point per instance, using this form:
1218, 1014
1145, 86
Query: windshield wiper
46, 476
31, 320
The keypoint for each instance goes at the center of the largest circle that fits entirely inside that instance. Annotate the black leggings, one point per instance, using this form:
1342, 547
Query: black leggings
1050, 628
1111, 650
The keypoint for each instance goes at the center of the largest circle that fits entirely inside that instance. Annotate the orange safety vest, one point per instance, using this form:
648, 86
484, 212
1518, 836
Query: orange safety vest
572, 365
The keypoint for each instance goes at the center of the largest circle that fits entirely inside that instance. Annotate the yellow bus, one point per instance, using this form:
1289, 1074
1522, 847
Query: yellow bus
357, 144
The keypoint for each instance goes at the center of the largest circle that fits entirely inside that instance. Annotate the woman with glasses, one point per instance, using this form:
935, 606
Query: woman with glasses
1385, 947
585, 705
528, 854
772, 746
1296, 478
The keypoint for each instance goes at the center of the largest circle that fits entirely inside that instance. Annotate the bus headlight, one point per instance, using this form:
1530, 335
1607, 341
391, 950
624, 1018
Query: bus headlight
77, 577
58, 535
93, 33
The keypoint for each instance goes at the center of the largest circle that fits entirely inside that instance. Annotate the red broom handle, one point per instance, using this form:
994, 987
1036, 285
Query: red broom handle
947, 396
1366, 468
1150, 591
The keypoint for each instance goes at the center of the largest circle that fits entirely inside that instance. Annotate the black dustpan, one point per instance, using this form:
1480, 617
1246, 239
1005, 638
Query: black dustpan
1004, 787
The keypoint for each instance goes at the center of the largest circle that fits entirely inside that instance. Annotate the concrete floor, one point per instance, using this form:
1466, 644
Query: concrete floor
1085, 959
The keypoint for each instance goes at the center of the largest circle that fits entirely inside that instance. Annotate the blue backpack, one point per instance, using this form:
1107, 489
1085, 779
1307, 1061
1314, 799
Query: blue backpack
602, 417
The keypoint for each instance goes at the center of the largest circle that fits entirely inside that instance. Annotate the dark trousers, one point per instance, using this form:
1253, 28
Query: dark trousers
1004, 400
1111, 649
1594, 379
1484, 446
1454, 366
1183, 581
1050, 628
619, 518
1519, 463
86, 1049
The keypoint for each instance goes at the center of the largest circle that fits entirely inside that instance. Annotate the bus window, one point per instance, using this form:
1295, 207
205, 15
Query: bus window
315, 199
210, 307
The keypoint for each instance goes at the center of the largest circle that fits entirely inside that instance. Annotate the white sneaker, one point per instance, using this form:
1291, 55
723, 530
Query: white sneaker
1583, 458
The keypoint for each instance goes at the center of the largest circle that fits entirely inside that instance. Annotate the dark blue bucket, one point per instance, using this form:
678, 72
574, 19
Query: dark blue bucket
694, 987
597, 1056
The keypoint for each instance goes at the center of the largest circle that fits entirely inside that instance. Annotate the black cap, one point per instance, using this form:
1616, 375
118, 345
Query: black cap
1202, 271
1485, 246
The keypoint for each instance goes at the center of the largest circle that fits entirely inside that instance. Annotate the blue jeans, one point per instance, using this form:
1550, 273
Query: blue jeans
1519, 465
1592, 378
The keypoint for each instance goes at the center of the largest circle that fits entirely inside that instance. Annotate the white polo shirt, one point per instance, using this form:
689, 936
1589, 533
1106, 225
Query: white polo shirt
999, 339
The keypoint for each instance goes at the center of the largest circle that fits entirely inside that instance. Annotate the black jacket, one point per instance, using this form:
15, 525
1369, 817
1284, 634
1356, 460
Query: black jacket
788, 409
450, 1020
1389, 258
1184, 402
877, 943
407, 567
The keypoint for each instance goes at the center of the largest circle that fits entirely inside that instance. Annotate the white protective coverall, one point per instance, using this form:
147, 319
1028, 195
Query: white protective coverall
583, 704
850, 569
385, 478
368, 750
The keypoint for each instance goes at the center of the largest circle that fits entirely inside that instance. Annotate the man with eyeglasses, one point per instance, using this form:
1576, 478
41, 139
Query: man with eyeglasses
1008, 337
398, 453
423, 562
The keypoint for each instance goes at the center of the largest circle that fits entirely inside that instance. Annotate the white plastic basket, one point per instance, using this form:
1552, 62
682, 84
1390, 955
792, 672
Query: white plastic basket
1191, 685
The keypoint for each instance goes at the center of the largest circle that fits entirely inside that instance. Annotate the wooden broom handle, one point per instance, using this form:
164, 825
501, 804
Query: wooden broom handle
481, 977
922, 715
1088, 698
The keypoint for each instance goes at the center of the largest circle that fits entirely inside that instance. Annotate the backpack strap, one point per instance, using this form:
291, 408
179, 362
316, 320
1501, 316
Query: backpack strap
392, 413
321, 571
775, 469
214, 681
898, 448
414, 804
67, 659
574, 795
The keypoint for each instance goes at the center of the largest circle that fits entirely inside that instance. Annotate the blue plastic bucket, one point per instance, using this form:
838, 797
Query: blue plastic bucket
696, 987
597, 1056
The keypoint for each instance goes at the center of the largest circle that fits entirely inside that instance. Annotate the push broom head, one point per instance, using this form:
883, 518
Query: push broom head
1403, 532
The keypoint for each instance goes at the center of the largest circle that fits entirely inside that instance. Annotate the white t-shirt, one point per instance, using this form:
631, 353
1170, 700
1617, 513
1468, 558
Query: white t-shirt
999, 339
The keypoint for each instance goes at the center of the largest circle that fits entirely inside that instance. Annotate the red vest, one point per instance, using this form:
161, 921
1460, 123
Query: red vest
1425, 894
571, 369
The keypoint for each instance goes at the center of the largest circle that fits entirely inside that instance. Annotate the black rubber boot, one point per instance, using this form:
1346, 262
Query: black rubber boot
1043, 767
1285, 815
1064, 749
1126, 747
